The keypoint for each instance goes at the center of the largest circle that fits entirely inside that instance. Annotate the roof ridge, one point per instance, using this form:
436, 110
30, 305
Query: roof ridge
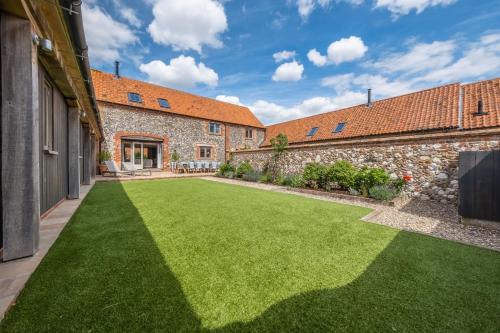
373, 102
480, 81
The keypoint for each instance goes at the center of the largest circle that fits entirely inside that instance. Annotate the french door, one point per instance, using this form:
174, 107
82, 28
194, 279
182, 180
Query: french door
140, 155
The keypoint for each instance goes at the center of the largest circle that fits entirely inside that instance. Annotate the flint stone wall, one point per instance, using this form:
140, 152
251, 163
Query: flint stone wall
432, 164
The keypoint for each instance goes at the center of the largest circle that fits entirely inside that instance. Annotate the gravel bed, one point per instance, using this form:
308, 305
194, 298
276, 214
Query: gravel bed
426, 217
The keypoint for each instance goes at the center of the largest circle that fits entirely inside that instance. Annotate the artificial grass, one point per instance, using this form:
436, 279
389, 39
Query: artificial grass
192, 255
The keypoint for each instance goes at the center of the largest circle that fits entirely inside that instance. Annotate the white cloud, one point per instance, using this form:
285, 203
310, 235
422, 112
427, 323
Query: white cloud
342, 50
422, 56
105, 36
403, 7
340, 82
306, 7
316, 58
346, 49
289, 71
173, 23
283, 55
182, 72
131, 17
229, 99
381, 86
270, 113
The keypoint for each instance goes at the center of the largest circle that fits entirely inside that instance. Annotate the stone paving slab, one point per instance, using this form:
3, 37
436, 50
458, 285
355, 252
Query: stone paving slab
14, 274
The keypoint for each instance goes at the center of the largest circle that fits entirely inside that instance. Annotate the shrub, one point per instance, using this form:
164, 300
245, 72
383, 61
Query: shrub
398, 184
244, 168
383, 192
293, 181
175, 156
343, 173
229, 174
314, 175
367, 178
265, 178
104, 156
252, 176
225, 168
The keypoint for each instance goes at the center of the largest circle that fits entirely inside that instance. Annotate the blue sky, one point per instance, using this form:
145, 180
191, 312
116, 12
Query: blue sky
292, 58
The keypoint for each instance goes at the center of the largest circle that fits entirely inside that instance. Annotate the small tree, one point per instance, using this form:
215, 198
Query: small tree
104, 156
175, 156
279, 144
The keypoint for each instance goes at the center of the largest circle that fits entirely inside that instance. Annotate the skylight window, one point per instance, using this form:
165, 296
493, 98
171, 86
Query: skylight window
313, 131
163, 103
340, 127
134, 97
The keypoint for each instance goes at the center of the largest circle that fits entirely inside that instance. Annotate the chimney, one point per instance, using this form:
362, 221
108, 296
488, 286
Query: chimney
369, 104
117, 69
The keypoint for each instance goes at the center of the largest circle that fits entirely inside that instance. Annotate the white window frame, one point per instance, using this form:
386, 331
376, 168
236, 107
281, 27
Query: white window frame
216, 126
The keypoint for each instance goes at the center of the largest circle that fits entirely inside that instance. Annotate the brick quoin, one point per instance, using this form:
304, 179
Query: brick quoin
118, 145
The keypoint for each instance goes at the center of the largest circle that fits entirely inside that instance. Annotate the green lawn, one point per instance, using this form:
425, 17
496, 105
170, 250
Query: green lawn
194, 255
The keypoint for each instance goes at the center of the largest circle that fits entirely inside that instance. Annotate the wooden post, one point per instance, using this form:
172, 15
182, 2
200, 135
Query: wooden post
73, 153
87, 159
20, 192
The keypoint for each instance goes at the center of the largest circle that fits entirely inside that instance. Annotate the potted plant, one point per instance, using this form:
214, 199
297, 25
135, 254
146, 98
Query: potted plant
175, 157
103, 157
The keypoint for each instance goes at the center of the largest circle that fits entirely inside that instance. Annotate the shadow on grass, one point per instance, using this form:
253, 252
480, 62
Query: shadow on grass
105, 273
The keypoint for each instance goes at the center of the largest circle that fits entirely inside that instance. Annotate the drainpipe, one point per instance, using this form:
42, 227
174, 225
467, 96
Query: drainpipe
74, 21
460, 107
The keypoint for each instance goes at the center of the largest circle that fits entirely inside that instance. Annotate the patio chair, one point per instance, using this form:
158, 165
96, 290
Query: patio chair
199, 166
136, 172
206, 166
113, 170
191, 167
214, 166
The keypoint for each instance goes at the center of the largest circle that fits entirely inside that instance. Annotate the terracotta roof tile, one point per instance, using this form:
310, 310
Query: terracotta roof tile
430, 109
489, 93
113, 90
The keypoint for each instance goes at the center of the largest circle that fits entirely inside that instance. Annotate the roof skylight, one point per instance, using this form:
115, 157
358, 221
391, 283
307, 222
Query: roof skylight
134, 97
163, 103
340, 127
312, 131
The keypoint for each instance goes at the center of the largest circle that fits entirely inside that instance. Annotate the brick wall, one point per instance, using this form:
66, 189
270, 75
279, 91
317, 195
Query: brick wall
431, 161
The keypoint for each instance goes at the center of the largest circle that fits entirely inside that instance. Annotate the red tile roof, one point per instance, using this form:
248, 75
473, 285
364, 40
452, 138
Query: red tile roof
489, 93
110, 89
431, 109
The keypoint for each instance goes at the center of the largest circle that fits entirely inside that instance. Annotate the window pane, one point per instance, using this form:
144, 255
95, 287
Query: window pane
163, 103
312, 131
127, 152
214, 128
339, 128
134, 97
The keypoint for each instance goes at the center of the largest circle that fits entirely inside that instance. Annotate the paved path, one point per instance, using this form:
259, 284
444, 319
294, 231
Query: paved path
425, 217
14, 274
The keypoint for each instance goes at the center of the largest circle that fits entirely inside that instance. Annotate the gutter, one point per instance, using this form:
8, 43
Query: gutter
74, 21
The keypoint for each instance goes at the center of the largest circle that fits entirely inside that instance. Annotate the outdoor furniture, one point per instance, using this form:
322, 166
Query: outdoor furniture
207, 166
114, 170
148, 163
215, 166
199, 166
173, 166
136, 172
191, 167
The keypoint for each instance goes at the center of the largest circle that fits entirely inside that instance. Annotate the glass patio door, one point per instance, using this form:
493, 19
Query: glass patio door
138, 155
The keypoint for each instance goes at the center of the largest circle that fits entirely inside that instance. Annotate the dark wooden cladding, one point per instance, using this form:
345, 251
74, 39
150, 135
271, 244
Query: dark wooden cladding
479, 173
53, 144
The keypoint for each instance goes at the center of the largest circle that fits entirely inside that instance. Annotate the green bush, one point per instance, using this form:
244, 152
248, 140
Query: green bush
229, 174
293, 181
383, 192
252, 176
265, 178
398, 184
314, 175
343, 173
244, 168
104, 156
367, 178
225, 168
